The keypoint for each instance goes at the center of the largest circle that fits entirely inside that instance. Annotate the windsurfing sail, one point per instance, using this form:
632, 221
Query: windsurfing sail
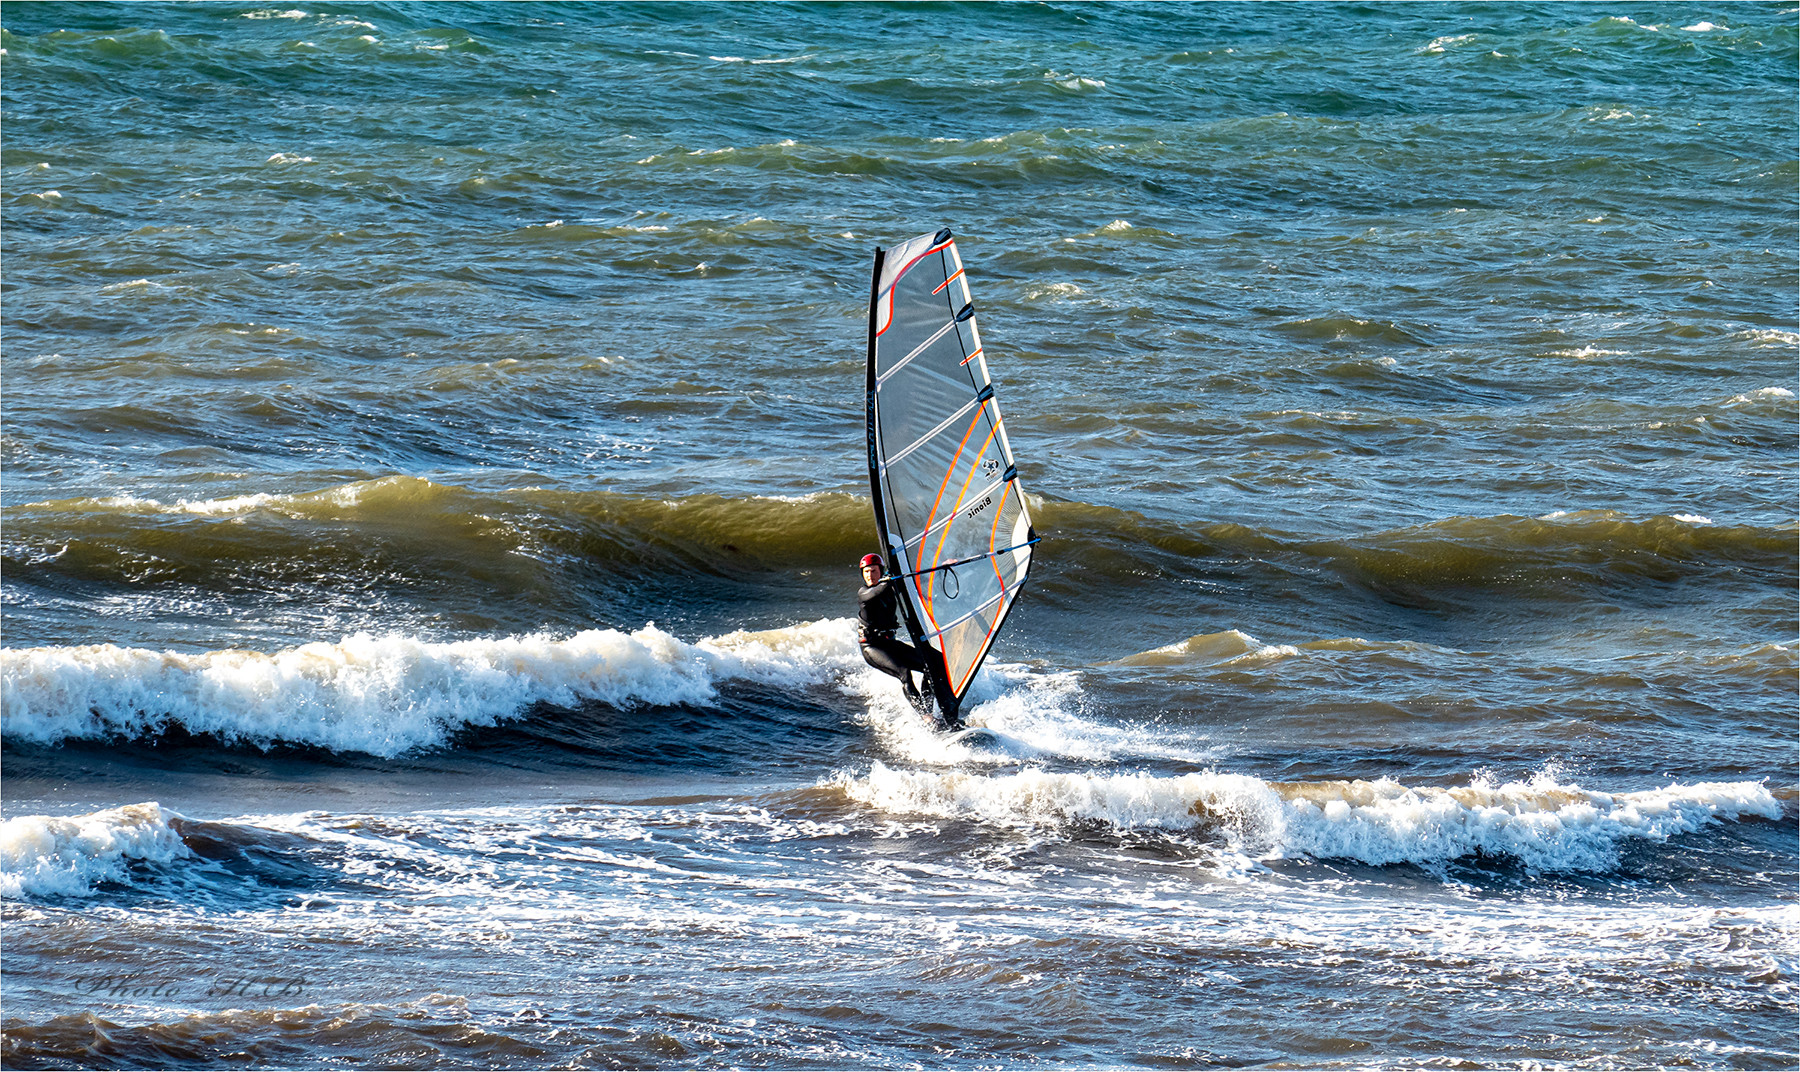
948, 506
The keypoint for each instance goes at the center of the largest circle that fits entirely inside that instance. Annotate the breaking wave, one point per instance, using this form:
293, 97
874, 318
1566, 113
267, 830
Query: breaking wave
1543, 823
404, 527
43, 855
385, 695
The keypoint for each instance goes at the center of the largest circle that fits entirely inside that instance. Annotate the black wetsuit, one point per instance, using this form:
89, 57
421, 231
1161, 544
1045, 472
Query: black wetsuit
877, 626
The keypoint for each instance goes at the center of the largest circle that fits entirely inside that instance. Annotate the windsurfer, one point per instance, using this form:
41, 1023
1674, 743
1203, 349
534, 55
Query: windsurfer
878, 626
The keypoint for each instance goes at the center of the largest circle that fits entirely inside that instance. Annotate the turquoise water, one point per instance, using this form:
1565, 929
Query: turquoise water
433, 477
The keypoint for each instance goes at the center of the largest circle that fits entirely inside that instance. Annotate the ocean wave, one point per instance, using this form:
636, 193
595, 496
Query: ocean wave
42, 855
397, 529
1350, 328
1770, 337
1775, 400
1234, 646
1021, 713
1543, 823
439, 1025
385, 695
403, 525
1547, 556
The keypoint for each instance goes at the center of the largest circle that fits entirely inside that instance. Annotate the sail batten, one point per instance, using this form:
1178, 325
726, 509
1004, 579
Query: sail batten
948, 504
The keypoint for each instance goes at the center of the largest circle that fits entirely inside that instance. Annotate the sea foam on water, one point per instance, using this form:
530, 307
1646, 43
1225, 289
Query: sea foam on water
385, 695
42, 855
1545, 824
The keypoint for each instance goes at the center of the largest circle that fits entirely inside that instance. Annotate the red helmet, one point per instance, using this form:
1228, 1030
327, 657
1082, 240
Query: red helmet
871, 560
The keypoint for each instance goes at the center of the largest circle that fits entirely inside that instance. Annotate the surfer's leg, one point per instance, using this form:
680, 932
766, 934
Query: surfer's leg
899, 660
877, 654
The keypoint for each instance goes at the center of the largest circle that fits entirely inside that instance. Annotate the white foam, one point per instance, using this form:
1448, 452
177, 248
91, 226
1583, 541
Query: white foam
1053, 290
294, 504
1587, 352
387, 694
1546, 825
1025, 713
1693, 519
133, 284
1770, 337
1204, 648
42, 855
236, 504
1702, 27
1758, 395
1437, 45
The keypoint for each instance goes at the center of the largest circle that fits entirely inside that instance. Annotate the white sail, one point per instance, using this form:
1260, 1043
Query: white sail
948, 504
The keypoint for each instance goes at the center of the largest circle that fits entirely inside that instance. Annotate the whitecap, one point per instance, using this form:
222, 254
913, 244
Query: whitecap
131, 285
1545, 824
1025, 713
1053, 290
1587, 352
1438, 44
388, 694
1759, 394
43, 855
1770, 337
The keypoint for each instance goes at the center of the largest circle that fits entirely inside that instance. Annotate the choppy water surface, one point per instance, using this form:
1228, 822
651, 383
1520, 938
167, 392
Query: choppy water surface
433, 478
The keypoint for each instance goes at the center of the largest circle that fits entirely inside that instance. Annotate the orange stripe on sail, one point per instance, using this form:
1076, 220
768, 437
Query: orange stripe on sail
905, 268
938, 555
993, 557
973, 356
947, 282
985, 641
919, 564
993, 534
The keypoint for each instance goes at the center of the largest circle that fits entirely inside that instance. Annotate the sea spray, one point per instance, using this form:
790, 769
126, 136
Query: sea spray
384, 695
1544, 824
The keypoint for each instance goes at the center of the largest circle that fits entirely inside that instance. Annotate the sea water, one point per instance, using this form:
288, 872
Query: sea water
434, 482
